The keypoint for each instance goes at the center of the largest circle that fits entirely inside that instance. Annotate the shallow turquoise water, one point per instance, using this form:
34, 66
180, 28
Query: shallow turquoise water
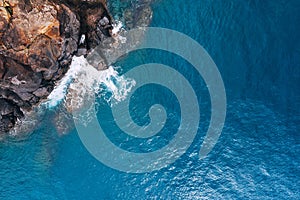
256, 48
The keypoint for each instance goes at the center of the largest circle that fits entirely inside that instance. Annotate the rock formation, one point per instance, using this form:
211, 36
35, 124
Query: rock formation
37, 41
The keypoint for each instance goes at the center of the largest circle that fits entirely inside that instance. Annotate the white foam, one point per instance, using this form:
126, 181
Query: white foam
82, 39
82, 79
59, 92
117, 27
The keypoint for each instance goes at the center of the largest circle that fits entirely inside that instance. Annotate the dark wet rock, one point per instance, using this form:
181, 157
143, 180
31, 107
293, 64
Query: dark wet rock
9, 113
6, 107
37, 41
41, 92
138, 13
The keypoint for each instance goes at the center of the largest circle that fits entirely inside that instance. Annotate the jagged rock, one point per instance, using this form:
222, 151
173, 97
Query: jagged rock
37, 41
41, 92
6, 108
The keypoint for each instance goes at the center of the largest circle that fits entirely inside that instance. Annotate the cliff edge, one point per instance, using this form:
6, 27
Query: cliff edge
37, 41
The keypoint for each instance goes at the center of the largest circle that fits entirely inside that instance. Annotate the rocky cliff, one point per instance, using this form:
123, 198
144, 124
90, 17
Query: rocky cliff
37, 41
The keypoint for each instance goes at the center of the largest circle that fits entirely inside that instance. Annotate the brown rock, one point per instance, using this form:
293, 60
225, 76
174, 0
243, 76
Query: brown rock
37, 41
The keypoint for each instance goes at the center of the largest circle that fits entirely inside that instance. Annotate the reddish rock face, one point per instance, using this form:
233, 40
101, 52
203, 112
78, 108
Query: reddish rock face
37, 41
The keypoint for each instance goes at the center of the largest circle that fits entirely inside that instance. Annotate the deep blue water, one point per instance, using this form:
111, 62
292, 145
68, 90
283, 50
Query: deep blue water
256, 48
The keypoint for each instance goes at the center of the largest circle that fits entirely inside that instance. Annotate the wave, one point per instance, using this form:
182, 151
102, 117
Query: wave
83, 81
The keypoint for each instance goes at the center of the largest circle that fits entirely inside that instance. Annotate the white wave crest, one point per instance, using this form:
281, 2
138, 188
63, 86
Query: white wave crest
59, 92
117, 27
83, 80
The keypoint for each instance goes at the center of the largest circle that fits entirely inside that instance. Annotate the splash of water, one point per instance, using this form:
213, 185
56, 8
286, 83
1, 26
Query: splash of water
59, 92
117, 27
83, 80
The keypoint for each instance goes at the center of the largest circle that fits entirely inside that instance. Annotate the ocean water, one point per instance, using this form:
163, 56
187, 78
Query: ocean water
256, 48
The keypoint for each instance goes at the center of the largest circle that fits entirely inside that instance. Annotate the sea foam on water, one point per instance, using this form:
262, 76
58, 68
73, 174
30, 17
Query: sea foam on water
83, 81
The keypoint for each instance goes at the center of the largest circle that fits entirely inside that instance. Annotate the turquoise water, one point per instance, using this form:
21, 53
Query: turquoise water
256, 48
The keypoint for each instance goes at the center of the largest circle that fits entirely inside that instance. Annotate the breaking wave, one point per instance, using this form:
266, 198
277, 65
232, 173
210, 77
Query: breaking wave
83, 80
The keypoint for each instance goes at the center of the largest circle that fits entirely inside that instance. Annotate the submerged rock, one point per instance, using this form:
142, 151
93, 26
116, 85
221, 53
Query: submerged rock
133, 13
37, 41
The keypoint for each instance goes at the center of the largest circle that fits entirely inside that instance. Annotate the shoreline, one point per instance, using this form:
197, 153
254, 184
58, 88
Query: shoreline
28, 120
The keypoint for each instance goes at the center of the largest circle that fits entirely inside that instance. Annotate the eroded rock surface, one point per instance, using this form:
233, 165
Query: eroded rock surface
37, 41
